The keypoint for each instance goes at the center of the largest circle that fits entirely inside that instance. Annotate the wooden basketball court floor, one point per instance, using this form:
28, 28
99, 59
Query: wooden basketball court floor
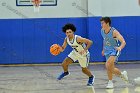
42, 79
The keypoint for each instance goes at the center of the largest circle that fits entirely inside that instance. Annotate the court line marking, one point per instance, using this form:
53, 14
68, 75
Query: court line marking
58, 64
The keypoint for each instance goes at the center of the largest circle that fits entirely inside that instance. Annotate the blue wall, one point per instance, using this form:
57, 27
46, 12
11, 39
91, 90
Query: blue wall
29, 40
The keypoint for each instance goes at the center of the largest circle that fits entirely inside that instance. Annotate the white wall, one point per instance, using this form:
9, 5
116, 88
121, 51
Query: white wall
114, 7
64, 8
71, 8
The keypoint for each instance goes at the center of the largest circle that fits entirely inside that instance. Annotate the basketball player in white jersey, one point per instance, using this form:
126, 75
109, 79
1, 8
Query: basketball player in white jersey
80, 52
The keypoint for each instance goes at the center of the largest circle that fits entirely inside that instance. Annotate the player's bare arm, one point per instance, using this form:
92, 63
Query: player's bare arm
117, 35
86, 41
64, 45
103, 50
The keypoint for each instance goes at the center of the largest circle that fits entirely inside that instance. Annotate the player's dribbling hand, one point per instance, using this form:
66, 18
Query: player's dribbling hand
118, 48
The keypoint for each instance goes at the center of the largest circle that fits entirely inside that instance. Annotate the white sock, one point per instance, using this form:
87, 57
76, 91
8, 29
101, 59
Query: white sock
121, 74
110, 81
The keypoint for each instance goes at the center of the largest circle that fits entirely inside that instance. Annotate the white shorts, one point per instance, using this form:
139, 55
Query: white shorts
83, 60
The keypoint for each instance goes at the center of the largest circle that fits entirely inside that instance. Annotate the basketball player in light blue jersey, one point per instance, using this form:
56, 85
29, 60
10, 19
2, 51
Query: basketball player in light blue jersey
80, 52
111, 49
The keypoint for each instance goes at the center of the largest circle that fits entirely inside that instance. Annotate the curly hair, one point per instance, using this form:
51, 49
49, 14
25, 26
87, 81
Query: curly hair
68, 26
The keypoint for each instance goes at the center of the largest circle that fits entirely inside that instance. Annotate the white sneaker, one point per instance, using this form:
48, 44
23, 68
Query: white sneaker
110, 85
137, 81
110, 90
124, 76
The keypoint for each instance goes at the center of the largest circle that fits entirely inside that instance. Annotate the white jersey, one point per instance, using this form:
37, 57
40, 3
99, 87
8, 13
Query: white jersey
77, 46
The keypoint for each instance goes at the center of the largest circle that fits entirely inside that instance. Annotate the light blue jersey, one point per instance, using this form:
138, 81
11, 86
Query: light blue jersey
109, 43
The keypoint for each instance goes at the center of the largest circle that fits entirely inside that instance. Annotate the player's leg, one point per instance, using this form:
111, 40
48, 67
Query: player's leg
110, 67
86, 71
84, 61
65, 65
122, 75
69, 60
84, 65
116, 71
110, 70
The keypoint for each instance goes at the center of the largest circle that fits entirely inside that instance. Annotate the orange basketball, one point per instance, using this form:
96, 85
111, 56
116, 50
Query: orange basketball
55, 49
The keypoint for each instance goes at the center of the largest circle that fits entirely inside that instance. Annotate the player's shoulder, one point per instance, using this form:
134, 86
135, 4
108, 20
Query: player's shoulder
78, 38
114, 30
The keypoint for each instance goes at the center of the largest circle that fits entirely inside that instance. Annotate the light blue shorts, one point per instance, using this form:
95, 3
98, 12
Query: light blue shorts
113, 53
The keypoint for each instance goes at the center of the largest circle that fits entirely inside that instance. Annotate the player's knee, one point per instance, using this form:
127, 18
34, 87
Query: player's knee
108, 66
65, 63
84, 69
